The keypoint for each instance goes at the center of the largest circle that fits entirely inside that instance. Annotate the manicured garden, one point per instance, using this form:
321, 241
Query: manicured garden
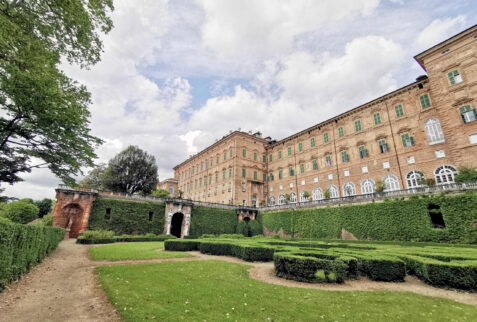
130, 251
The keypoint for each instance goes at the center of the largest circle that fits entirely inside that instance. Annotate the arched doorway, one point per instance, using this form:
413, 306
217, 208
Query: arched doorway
176, 224
71, 219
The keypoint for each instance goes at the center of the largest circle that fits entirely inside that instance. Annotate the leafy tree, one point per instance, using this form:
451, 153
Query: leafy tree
160, 193
44, 206
380, 186
21, 211
466, 174
94, 179
43, 113
132, 170
306, 195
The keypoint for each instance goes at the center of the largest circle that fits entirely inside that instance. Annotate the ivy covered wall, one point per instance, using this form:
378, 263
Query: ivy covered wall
406, 220
212, 221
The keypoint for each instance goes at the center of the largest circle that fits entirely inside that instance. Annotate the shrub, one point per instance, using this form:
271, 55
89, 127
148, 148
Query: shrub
45, 221
44, 206
466, 174
22, 211
207, 236
181, 245
231, 236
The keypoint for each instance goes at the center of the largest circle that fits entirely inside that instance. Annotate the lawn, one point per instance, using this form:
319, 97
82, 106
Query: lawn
220, 291
136, 250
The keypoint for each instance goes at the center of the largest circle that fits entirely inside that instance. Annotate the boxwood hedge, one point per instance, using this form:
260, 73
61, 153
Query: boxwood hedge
23, 246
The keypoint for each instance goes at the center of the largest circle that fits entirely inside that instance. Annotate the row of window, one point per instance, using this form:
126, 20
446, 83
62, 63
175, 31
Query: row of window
444, 174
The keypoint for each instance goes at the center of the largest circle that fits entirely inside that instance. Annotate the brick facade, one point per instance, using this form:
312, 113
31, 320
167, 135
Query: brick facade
425, 129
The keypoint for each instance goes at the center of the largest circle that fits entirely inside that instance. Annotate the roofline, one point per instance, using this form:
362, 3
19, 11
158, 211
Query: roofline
419, 57
344, 114
236, 132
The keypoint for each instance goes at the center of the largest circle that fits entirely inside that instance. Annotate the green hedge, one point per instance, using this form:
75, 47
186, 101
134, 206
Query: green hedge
182, 245
127, 217
90, 237
23, 246
404, 220
212, 221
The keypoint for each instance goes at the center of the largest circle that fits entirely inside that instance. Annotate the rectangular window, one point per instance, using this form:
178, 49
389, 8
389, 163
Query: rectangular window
223, 174
255, 175
255, 156
271, 157
200, 183
216, 177
206, 163
291, 172
279, 154
425, 101
315, 165
230, 173
340, 132
264, 177
383, 146
312, 142
407, 140
454, 77
328, 161
325, 137
225, 156
217, 161
300, 147
344, 156
201, 166
244, 153
377, 118
399, 110
468, 113
302, 168
210, 179
289, 150
264, 158
357, 125
231, 153
244, 174
280, 174
363, 152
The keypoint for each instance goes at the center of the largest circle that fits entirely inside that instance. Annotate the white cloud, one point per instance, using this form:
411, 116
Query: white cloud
439, 30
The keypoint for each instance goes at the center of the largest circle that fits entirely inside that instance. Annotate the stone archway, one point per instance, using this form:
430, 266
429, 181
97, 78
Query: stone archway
176, 224
70, 219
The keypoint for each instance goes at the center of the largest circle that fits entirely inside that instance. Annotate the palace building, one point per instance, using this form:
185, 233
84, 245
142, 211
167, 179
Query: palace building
418, 134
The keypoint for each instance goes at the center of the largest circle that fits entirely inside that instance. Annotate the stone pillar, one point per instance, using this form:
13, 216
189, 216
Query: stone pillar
168, 223
187, 225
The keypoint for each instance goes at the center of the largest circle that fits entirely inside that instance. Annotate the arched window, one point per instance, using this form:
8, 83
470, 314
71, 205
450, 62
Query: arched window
271, 201
317, 194
292, 197
349, 189
434, 131
390, 182
302, 197
413, 178
333, 191
281, 199
445, 174
367, 186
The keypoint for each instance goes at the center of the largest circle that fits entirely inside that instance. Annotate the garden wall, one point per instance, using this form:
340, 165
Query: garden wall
23, 246
212, 221
406, 220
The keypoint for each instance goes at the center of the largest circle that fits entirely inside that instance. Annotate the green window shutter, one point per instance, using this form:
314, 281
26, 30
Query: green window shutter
231, 153
279, 154
264, 158
344, 156
216, 177
243, 173
302, 168
325, 137
464, 109
425, 101
454, 77
300, 147
217, 161
225, 156
280, 174
264, 177
255, 175
271, 157
377, 118
291, 172
357, 125
399, 110
230, 173
223, 174
328, 160
244, 153
340, 131
312, 143
255, 156
315, 165
289, 150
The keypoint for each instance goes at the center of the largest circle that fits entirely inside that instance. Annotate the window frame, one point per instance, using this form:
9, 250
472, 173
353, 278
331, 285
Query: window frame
377, 118
357, 125
399, 110
425, 101
452, 75
340, 132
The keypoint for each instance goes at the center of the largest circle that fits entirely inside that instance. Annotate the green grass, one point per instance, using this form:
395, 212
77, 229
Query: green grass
220, 291
136, 250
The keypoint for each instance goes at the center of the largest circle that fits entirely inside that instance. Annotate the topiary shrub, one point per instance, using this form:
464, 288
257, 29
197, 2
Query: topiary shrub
22, 211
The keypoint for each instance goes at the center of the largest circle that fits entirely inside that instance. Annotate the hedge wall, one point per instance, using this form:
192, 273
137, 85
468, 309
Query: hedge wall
212, 221
22, 246
127, 217
404, 220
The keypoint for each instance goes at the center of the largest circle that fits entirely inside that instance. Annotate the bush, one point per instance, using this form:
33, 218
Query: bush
45, 221
207, 236
44, 206
231, 236
22, 211
23, 246
466, 174
212, 221
182, 245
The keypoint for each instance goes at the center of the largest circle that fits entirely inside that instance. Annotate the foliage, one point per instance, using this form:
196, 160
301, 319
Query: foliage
21, 211
45, 221
127, 217
130, 171
44, 113
380, 186
327, 194
212, 221
94, 179
105, 237
466, 174
391, 220
129, 251
23, 246
306, 195
44, 206
137, 296
249, 229
160, 193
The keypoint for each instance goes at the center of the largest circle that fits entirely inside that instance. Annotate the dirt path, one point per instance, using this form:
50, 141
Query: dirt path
64, 287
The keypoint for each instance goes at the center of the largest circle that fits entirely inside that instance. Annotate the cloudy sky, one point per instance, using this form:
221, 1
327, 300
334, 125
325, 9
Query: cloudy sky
176, 75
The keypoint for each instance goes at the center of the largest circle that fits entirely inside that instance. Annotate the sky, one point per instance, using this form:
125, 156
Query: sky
177, 75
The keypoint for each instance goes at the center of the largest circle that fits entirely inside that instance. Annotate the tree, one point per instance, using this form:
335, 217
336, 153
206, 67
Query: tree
466, 174
21, 211
44, 206
132, 170
306, 195
380, 186
94, 179
160, 193
44, 116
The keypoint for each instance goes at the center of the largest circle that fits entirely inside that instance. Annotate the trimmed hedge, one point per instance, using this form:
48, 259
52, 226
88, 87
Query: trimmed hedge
212, 221
404, 220
23, 246
85, 239
183, 245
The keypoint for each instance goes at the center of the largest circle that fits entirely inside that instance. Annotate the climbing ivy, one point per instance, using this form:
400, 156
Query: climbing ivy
406, 220
212, 221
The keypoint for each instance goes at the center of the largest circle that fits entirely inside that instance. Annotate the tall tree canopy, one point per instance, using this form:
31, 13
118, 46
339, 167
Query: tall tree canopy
44, 114
132, 170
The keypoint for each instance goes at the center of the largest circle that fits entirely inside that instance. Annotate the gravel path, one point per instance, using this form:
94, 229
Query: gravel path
64, 287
